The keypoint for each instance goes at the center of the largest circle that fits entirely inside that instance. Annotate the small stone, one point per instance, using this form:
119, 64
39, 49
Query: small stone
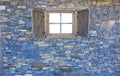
19, 65
90, 58
22, 7
50, 1
117, 39
29, 72
52, 69
5, 65
77, 60
28, 75
46, 74
106, 46
97, 24
93, 33
109, 38
101, 42
118, 56
40, 65
22, 39
45, 56
46, 68
21, 22
12, 70
18, 75
70, 5
17, 12
94, 16
68, 52
9, 36
43, 6
28, 32
53, 53
65, 70
8, 10
41, 43
68, 46
91, 48
59, 44
81, 54
82, 45
62, 64
12, 65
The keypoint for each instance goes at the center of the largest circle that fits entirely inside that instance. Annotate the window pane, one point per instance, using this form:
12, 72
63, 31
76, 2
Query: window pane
54, 17
54, 28
66, 17
66, 28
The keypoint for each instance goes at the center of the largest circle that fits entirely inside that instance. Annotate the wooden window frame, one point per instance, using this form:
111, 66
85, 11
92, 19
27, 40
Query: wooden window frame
63, 35
40, 22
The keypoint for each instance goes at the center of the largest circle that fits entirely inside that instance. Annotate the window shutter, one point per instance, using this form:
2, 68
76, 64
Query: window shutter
82, 22
38, 27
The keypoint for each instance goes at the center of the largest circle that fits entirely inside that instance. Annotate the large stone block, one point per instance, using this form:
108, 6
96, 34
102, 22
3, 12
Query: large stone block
2, 7
108, 25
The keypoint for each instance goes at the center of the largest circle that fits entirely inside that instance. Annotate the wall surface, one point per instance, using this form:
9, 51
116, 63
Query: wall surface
23, 55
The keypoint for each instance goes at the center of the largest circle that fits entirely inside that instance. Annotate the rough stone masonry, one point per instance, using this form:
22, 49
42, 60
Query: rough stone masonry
97, 55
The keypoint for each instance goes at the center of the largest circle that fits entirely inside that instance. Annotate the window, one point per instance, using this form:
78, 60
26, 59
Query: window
60, 23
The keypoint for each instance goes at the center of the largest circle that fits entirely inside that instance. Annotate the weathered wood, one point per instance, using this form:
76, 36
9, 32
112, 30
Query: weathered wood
82, 22
38, 23
1, 58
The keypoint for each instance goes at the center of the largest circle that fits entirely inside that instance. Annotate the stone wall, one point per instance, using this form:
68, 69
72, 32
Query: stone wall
23, 55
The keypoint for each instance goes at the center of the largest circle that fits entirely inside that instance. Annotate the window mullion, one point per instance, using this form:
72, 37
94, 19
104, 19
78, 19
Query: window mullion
60, 23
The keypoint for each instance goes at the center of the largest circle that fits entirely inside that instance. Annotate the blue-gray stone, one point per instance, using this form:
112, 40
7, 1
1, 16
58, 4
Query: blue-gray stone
9, 74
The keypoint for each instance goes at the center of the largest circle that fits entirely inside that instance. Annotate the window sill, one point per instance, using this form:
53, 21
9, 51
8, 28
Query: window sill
61, 36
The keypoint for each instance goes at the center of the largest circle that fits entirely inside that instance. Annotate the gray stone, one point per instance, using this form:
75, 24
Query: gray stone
19, 75
12, 70
28, 75
97, 24
21, 22
93, 33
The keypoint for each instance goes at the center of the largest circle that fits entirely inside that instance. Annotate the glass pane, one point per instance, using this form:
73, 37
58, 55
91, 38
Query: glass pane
54, 17
66, 17
66, 28
54, 28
